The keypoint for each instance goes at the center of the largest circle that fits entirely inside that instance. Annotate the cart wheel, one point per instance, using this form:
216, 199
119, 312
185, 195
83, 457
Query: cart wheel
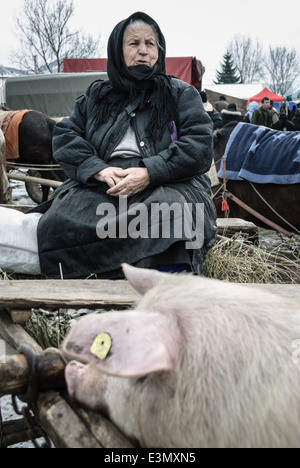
35, 191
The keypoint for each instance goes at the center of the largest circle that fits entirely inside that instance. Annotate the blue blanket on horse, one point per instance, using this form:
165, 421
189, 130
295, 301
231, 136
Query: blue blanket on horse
262, 155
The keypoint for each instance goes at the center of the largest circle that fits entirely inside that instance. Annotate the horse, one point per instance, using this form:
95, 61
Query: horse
278, 203
34, 135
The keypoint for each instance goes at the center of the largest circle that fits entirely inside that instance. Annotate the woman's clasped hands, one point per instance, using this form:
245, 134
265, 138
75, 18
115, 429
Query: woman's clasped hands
124, 182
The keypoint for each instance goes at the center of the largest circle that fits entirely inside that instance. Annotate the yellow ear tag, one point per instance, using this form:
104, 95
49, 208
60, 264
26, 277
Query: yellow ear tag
101, 345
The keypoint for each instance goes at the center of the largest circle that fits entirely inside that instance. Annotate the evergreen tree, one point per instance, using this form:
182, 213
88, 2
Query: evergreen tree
227, 75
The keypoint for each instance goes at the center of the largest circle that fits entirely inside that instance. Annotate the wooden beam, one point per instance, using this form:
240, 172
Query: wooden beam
62, 424
230, 226
20, 316
70, 294
14, 372
13, 333
102, 429
34, 180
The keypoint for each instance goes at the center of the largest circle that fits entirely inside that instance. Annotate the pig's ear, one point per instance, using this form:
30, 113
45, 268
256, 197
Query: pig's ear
139, 344
142, 279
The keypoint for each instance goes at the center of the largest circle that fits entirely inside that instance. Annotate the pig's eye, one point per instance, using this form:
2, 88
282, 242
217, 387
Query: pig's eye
141, 380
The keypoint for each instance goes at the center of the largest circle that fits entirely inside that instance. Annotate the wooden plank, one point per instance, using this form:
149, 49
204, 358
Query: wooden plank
62, 424
20, 316
103, 430
13, 333
230, 226
234, 223
290, 291
72, 294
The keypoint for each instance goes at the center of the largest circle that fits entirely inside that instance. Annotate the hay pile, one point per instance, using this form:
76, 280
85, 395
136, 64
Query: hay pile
237, 261
49, 329
5, 276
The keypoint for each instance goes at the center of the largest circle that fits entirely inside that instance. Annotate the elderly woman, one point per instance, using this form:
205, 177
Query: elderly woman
134, 145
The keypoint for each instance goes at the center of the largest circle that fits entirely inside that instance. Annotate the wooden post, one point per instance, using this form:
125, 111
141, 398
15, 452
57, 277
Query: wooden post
14, 372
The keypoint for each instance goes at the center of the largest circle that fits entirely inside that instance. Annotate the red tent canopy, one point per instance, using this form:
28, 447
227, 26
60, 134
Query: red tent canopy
266, 93
188, 69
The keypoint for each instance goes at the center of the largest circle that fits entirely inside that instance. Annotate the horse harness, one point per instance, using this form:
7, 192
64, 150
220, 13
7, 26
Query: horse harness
225, 207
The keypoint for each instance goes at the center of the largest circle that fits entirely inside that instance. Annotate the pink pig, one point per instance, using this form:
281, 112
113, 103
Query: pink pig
198, 363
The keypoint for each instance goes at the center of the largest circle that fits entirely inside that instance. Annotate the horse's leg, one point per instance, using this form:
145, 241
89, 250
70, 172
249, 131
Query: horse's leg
35, 143
5, 189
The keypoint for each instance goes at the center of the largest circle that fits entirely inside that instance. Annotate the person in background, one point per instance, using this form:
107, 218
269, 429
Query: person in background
296, 118
231, 114
262, 115
248, 116
214, 115
274, 112
283, 123
221, 104
292, 112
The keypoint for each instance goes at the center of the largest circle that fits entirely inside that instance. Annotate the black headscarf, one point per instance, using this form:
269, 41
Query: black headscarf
149, 86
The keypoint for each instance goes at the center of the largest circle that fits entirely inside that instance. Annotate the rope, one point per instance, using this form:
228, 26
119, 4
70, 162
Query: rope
272, 209
225, 206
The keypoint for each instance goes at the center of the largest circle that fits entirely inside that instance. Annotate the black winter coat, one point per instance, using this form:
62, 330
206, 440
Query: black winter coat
284, 124
83, 149
296, 120
177, 170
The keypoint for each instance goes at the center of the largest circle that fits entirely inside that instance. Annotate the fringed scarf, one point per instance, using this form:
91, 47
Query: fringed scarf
148, 86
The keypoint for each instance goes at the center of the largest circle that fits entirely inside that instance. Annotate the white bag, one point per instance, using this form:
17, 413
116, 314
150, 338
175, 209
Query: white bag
18, 242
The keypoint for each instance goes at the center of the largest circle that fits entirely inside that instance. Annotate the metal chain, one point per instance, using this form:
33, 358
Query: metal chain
35, 429
30, 398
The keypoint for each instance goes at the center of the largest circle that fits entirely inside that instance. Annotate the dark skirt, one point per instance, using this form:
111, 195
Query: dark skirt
87, 232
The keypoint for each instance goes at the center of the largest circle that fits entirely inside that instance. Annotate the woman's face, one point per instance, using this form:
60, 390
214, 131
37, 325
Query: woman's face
140, 46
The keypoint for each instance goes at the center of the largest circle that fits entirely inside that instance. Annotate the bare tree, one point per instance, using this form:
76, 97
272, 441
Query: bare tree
283, 68
45, 37
247, 57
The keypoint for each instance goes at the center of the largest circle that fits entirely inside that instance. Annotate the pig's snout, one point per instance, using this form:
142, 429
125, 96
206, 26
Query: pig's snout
73, 372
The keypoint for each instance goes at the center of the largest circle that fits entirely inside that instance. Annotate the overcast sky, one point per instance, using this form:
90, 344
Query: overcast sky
192, 28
